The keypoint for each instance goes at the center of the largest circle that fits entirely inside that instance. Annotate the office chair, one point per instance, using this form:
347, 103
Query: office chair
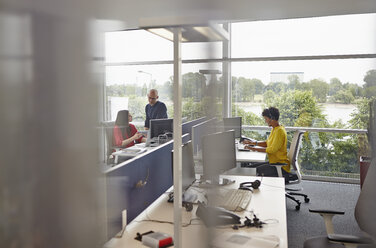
110, 148
365, 216
294, 177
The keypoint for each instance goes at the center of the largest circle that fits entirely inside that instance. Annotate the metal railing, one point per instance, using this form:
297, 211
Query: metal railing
328, 175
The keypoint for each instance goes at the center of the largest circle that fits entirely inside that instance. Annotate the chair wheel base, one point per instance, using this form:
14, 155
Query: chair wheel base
297, 207
306, 200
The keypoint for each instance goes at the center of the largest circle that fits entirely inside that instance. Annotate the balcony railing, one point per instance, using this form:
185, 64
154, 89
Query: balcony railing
327, 154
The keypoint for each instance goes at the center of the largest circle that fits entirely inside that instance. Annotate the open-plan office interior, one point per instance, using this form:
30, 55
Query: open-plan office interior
67, 68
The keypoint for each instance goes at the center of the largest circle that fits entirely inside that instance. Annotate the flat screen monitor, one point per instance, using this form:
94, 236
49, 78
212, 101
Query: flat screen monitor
188, 172
218, 154
233, 123
188, 166
160, 126
201, 129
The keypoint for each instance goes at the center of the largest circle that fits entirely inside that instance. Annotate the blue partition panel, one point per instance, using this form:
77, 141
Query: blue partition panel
187, 127
124, 190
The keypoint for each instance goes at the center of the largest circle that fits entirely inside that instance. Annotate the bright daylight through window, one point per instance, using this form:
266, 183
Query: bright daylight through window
320, 72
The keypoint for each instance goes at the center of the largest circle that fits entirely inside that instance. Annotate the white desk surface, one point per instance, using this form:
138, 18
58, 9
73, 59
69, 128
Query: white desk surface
243, 156
268, 203
250, 156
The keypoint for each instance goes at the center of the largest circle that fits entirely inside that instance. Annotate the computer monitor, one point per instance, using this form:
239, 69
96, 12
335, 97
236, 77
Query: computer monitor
160, 126
188, 171
201, 129
218, 154
233, 123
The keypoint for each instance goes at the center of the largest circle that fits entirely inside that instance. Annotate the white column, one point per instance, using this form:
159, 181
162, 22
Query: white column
226, 69
177, 140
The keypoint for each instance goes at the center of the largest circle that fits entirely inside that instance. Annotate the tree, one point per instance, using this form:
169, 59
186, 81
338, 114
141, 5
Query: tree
370, 83
360, 116
144, 90
136, 106
334, 86
370, 78
268, 96
248, 118
193, 85
192, 110
277, 87
115, 90
166, 90
343, 96
355, 89
294, 82
297, 108
244, 89
259, 86
319, 89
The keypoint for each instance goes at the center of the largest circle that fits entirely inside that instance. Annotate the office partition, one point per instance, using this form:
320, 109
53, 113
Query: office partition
136, 183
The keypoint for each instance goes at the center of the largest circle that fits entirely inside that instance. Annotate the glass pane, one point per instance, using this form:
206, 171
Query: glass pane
331, 155
136, 45
336, 87
202, 92
202, 50
127, 87
346, 34
141, 45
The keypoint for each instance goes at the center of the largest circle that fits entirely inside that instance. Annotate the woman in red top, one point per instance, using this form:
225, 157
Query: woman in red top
125, 133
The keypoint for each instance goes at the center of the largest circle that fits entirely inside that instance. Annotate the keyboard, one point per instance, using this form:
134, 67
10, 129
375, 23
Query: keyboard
242, 149
236, 199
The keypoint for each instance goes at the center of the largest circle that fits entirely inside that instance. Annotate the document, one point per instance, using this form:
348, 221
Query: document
239, 240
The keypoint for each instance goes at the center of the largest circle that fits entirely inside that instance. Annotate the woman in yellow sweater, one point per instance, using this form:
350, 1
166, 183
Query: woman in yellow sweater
275, 146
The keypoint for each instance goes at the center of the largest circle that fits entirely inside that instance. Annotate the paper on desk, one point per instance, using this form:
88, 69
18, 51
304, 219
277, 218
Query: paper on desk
235, 240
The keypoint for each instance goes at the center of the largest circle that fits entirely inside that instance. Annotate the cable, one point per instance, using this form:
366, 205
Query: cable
166, 222
273, 186
170, 222
276, 221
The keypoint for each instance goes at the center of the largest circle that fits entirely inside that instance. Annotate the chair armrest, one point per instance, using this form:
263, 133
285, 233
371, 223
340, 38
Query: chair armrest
278, 166
350, 239
326, 211
328, 216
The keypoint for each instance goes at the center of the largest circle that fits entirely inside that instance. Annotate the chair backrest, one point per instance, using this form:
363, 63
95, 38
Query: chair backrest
294, 152
109, 127
365, 213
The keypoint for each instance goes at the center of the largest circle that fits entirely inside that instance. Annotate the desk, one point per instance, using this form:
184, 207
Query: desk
244, 157
268, 203
250, 156
130, 152
241, 157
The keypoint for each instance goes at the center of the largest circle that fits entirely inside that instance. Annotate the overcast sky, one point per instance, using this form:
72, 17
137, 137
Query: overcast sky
351, 34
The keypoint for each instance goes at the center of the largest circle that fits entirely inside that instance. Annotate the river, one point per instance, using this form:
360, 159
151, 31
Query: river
333, 111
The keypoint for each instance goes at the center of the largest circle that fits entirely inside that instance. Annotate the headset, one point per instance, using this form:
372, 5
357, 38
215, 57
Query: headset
254, 222
269, 113
272, 116
188, 206
248, 185
141, 183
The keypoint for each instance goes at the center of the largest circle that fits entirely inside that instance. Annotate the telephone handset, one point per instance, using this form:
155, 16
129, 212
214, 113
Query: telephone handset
216, 216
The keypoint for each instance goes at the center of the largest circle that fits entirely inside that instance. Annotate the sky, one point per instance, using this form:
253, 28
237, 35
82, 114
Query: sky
350, 34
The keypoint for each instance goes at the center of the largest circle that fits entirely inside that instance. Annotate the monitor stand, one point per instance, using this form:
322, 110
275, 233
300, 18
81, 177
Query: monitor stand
187, 197
218, 181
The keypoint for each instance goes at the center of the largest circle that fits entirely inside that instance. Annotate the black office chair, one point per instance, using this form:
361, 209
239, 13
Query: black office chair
294, 177
365, 216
